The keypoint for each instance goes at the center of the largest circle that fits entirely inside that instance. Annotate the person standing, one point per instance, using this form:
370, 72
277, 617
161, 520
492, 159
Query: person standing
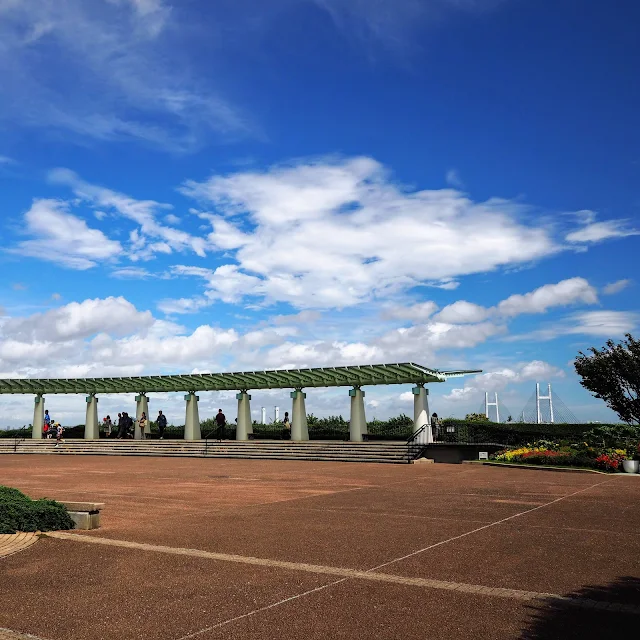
47, 424
221, 421
161, 421
286, 434
142, 423
120, 427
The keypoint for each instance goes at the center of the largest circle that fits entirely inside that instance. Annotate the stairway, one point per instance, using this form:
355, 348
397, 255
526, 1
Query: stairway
318, 450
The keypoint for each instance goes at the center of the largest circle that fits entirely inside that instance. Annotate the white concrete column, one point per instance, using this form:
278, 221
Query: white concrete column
192, 418
421, 415
299, 428
358, 422
91, 426
244, 426
38, 418
142, 406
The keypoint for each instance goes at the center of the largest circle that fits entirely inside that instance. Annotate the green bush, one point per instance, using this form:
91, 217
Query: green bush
20, 513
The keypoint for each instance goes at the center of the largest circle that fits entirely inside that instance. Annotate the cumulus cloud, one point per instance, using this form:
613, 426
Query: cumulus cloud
463, 312
337, 233
79, 320
540, 300
563, 293
63, 238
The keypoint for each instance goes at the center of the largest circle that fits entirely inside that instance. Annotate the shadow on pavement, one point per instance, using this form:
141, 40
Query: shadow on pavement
580, 620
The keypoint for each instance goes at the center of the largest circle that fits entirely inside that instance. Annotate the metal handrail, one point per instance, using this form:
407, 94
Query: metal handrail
17, 440
411, 453
415, 434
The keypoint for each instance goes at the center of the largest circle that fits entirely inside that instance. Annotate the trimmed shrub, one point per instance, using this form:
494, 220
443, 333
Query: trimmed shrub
20, 513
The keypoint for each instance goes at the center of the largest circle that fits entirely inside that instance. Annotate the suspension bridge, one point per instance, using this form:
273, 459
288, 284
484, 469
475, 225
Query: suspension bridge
541, 408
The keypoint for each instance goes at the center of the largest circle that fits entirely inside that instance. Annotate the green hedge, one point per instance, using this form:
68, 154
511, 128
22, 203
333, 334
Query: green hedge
20, 513
517, 433
400, 428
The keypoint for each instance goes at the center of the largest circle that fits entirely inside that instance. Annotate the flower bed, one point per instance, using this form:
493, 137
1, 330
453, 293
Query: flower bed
579, 455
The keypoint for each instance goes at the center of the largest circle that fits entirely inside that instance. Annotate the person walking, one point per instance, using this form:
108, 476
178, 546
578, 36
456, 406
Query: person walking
107, 427
221, 421
142, 423
161, 421
286, 433
129, 425
59, 432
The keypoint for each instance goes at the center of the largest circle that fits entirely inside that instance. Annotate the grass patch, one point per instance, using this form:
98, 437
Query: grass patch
20, 513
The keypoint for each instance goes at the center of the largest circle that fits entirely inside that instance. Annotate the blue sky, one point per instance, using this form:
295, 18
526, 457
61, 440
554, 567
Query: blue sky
202, 186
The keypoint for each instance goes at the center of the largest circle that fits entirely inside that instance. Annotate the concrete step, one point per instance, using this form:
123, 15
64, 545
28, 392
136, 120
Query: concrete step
337, 451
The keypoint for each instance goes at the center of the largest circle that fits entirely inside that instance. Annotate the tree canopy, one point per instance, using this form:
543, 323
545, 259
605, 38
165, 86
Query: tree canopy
612, 374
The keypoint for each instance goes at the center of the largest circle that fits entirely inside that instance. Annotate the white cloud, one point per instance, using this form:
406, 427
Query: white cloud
548, 296
603, 323
142, 212
616, 287
304, 317
63, 238
599, 231
172, 219
453, 178
100, 69
416, 313
463, 312
337, 233
133, 273
79, 320
6, 160
563, 293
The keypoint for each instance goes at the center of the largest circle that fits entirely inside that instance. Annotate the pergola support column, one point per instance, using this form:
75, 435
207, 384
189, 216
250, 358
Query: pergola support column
142, 406
38, 418
192, 418
244, 426
358, 422
91, 427
421, 415
299, 427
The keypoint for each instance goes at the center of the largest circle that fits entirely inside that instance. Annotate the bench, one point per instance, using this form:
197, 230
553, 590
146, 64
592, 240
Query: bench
85, 515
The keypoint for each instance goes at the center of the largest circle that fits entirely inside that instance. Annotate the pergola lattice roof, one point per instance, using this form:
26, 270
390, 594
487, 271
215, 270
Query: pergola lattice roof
403, 373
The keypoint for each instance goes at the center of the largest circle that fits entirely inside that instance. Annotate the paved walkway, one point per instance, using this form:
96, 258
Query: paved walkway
264, 550
7, 634
11, 543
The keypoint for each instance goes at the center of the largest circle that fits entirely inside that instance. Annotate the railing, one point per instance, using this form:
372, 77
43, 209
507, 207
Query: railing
20, 437
415, 449
219, 431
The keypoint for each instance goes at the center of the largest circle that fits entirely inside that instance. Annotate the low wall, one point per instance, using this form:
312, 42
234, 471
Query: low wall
457, 453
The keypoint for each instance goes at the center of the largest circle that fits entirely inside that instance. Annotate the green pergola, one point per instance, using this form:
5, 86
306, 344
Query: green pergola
356, 376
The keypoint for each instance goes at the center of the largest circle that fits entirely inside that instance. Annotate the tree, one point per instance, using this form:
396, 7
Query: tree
476, 417
613, 375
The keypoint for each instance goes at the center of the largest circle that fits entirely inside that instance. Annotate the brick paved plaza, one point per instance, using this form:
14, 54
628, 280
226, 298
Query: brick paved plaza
197, 548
